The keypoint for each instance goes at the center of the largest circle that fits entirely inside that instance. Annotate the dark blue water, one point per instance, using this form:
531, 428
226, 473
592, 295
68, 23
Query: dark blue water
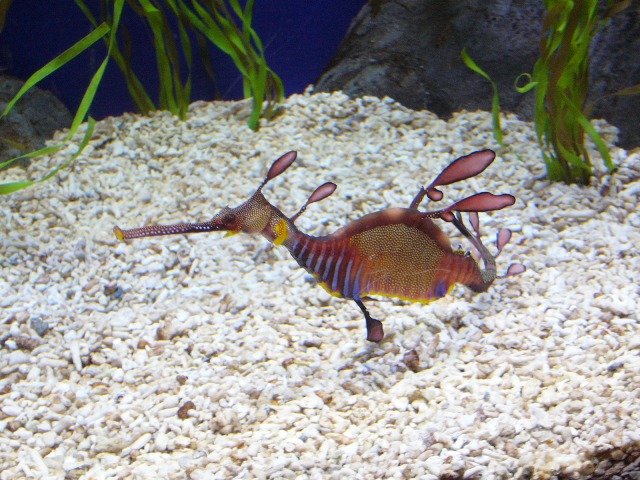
300, 37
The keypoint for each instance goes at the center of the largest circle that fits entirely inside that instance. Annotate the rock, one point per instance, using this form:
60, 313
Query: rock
32, 121
410, 51
40, 326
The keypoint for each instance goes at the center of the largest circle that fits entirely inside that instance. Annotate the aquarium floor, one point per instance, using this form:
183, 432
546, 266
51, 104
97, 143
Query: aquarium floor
209, 357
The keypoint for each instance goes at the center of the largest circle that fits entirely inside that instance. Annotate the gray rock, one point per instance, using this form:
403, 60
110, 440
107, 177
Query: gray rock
40, 326
32, 121
410, 51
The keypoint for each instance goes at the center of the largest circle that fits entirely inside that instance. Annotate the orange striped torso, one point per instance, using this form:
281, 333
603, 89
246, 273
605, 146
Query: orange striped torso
396, 252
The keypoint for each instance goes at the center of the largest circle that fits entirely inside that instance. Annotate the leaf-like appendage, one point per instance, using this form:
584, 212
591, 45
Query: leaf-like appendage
515, 269
464, 167
504, 235
280, 165
322, 192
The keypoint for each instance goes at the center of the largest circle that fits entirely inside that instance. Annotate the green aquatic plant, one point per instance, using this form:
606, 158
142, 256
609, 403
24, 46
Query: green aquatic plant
174, 93
216, 22
228, 28
560, 79
66, 56
223, 23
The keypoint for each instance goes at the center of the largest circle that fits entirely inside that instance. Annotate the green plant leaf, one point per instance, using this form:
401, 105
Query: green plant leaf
90, 93
66, 56
43, 151
136, 90
11, 187
243, 45
495, 104
530, 85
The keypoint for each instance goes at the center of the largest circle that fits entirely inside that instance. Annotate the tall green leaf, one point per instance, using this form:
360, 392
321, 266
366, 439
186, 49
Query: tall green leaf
495, 104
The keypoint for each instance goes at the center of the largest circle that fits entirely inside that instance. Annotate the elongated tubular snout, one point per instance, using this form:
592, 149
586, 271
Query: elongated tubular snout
176, 229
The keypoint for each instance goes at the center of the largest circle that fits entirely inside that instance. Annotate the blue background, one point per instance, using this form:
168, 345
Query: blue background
300, 37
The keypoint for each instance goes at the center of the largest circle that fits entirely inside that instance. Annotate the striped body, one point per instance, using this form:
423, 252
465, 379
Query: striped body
397, 252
